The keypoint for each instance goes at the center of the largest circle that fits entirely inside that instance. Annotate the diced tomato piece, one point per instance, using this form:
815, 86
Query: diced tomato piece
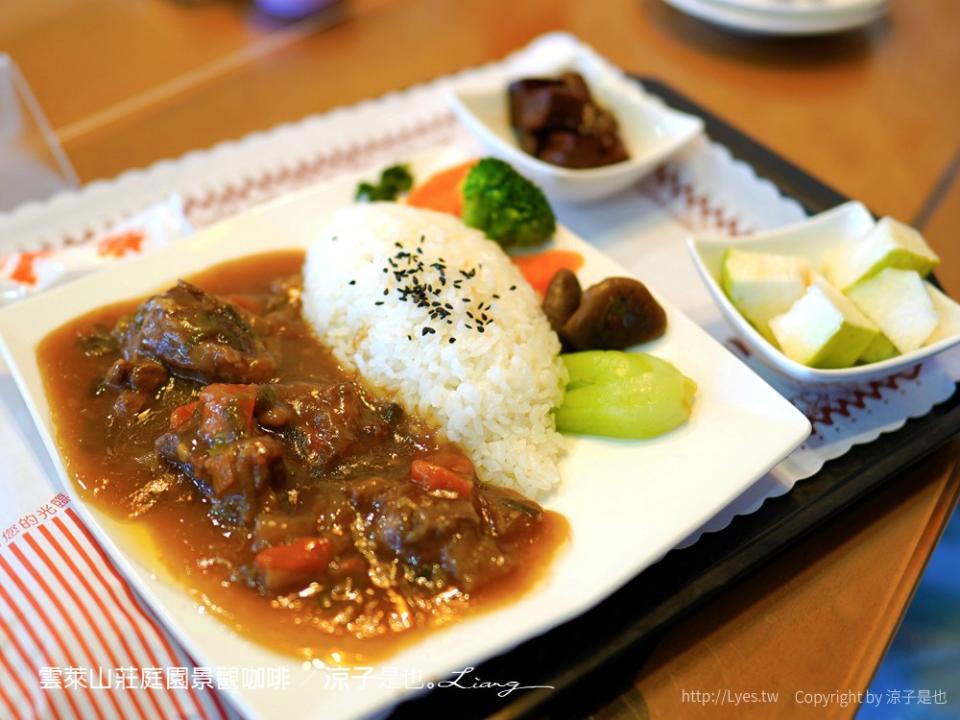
180, 415
538, 269
431, 476
442, 192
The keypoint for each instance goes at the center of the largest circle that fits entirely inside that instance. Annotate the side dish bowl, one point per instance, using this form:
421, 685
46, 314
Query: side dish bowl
811, 239
651, 131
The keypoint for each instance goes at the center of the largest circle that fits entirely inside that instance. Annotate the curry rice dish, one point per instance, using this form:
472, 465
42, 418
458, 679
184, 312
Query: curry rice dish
321, 512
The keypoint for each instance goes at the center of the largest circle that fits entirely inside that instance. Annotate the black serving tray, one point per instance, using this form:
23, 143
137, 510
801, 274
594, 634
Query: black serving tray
632, 618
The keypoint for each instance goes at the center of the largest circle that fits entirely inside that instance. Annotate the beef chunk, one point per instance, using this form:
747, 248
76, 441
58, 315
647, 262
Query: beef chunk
325, 423
507, 511
422, 529
214, 441
558, 121
127, 405
197, 336
243, 467
142, 375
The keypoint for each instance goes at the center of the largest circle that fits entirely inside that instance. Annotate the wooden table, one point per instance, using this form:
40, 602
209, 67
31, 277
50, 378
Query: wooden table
875, 113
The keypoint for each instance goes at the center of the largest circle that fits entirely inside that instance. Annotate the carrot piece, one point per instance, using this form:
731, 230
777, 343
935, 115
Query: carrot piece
432, 477
281, 566
538, 269
180, 415
442, 192
309, 554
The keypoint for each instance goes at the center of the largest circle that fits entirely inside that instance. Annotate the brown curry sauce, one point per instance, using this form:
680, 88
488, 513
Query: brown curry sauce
400, 558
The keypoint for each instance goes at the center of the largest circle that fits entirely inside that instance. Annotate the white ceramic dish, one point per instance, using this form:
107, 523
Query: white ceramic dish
651, 131
760, 20
805, 8
628, 503
810, 239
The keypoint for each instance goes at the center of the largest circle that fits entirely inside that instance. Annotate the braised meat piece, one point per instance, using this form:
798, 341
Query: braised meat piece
506, 511
196, 336
324, 423
142, 375
558, 121
215, 442
423, 530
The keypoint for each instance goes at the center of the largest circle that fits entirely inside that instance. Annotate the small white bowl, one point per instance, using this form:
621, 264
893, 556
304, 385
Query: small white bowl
650, 130
810, 239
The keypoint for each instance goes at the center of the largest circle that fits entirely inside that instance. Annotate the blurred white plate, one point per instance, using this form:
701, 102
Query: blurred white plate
804, 8
628, 503
810, 239
762, 21
650, 130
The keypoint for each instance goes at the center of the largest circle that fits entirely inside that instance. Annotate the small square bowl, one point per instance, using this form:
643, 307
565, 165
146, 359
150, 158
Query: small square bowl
651, 131
811, 239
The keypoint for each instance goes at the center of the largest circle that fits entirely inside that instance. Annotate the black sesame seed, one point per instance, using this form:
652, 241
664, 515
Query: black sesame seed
352, 282
379, 302
452, 341
513, 287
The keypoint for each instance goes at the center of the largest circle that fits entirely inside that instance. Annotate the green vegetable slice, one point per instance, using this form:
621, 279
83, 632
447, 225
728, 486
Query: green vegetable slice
623, 395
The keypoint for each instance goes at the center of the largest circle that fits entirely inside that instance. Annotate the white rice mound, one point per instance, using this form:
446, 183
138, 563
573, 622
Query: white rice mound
491, 392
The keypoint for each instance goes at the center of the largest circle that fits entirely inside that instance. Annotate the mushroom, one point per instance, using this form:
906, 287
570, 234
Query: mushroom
614, 314
562, 298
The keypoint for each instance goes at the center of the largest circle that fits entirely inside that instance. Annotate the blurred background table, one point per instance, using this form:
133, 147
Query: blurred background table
874, 113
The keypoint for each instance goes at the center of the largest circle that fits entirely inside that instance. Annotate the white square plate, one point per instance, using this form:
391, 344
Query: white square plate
810, 239
651, 131
628, 503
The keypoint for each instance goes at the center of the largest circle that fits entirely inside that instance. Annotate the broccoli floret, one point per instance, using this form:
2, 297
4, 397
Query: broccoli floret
505, 205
